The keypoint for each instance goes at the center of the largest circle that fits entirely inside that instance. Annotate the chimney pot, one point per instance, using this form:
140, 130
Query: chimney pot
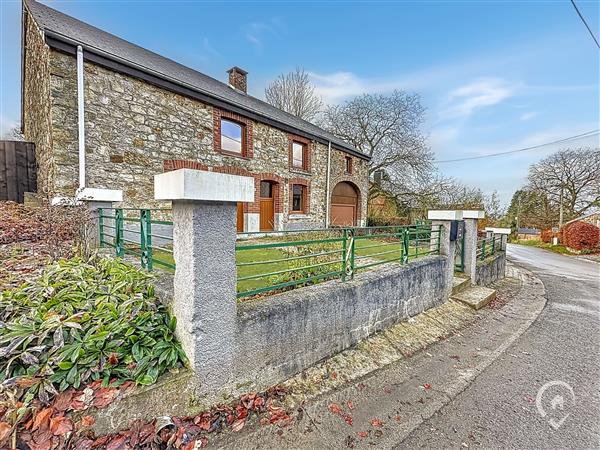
238, 79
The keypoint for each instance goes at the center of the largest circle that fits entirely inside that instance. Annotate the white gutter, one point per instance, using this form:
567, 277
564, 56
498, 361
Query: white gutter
80, 118
327, 196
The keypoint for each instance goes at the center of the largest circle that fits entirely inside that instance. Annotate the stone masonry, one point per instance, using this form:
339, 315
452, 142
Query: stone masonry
135, 130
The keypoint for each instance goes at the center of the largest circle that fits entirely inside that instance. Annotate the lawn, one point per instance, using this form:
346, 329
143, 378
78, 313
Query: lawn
255, 262
539, 244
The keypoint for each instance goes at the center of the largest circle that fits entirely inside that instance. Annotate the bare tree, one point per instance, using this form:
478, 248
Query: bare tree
387, 128
569, 177
294, 93
14, 134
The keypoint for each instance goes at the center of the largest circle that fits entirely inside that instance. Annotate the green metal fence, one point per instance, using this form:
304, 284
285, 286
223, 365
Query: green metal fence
130, 231
290, 259
488, 246
276, 261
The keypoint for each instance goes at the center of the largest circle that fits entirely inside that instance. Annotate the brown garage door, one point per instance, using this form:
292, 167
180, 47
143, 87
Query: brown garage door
344, 203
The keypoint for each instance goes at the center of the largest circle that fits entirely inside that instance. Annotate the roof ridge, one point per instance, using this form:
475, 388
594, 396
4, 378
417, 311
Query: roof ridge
69, 28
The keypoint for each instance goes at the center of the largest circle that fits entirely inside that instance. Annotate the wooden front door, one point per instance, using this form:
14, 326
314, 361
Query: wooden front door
344, 204
267, 206
240, 217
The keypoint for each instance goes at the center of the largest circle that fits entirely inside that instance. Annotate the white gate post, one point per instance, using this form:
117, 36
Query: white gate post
471, 217
204, 234
447, 246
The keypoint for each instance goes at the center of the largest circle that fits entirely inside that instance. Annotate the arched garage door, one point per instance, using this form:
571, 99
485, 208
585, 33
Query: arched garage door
344, 205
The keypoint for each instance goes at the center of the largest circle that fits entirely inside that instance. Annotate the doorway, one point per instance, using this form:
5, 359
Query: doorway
267, 206
344, 204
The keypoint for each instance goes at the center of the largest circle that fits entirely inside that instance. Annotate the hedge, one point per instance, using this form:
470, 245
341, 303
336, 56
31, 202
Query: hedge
547, 236
581, 235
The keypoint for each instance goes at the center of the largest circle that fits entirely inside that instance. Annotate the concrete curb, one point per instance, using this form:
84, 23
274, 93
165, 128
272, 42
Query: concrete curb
538, 291
503, 327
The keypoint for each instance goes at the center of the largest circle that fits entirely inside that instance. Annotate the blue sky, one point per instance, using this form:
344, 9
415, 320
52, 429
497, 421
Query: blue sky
493, 76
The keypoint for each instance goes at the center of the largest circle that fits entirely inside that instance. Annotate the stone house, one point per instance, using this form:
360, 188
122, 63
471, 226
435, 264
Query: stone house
106, 116
591, 218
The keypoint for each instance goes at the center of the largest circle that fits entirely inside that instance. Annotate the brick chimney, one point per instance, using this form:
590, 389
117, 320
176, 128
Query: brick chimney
238, 79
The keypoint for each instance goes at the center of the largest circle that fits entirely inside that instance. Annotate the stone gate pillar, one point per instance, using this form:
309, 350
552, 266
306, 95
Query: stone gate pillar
471, 218
204, 234
445, 218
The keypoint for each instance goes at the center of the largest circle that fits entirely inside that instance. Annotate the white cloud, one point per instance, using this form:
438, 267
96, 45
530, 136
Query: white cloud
254, 32
528, 115
465, 100
208, 48
441, 136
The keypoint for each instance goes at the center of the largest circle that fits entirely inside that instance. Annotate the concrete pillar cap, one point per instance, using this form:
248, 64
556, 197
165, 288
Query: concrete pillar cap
190, 184
496, 230
444, 215
473, 214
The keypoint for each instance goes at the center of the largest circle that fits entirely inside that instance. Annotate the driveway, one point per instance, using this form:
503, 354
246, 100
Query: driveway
507, 405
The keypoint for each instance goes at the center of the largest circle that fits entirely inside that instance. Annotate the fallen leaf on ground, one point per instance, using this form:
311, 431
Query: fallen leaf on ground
348, 419
238, 425
362, 434
335, 408
427, 386
88, 421
376, 423
350, 404
42, 418
5, 429
60, 425
398, 418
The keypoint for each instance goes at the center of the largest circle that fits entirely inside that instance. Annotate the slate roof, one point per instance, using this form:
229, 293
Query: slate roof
68, 29
528, 231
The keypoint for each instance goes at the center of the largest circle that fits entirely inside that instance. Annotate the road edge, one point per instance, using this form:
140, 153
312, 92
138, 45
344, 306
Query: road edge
537, 291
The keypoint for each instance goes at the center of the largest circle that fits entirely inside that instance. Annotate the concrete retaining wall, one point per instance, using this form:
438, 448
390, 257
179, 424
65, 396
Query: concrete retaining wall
491, 269
281, 335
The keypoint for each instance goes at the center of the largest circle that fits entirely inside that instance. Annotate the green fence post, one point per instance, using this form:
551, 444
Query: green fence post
344, 254
401, 240
149, 255
416, 243
493, 244
101, 226
483, 249
352, 251
119, 248
405, 244
439, 241
143, 257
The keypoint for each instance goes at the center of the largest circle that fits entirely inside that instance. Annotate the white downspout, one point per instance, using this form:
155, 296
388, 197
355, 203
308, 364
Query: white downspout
327, 196
80, 118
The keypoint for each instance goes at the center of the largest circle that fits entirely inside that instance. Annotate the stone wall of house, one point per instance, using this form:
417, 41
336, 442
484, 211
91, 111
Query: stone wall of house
133, 127
36, 103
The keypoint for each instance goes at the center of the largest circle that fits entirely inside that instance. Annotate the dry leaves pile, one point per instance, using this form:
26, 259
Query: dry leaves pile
53, 427
31, 237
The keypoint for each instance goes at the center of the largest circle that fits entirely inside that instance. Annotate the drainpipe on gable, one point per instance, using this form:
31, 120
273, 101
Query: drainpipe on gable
80, 118
83, 193
327, 196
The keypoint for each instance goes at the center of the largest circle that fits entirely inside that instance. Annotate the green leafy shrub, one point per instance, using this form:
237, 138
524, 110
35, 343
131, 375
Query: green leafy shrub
83, 321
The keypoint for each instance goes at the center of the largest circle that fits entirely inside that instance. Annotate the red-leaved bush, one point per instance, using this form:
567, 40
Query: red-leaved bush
581, 235
547, 236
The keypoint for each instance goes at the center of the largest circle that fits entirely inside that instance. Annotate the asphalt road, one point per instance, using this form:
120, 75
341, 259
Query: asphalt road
511, 404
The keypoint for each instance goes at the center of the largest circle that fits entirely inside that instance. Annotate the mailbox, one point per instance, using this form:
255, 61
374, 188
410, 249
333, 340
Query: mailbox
455, 230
